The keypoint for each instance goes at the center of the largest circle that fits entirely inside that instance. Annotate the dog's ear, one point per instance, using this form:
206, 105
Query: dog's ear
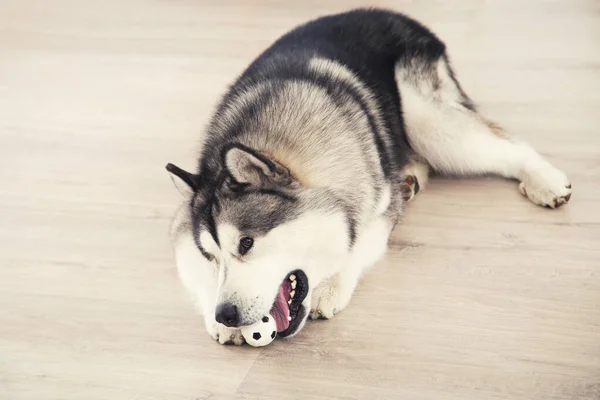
185, 182
249, 167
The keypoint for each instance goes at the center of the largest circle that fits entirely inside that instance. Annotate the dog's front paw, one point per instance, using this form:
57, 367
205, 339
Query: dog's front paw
546, 186
225, 335
328, 300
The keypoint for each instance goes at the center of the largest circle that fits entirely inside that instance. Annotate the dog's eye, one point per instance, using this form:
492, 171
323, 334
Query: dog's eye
245, 245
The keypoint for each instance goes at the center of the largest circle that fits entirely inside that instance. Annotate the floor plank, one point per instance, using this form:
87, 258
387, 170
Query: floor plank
482, 295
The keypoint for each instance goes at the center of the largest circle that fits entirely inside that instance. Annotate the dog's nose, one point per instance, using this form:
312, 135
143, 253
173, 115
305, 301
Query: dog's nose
227, 314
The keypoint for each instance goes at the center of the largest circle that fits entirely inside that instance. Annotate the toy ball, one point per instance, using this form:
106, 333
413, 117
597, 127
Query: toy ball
260, 333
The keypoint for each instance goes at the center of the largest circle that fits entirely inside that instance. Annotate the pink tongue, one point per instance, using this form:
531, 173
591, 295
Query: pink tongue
281, 310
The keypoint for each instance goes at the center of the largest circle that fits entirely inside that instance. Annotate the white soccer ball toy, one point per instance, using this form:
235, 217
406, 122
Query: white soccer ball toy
260, 333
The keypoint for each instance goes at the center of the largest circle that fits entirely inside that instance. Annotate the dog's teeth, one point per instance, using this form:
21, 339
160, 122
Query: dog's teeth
289, 318
292, 293
290, 301
293, 284
292, 277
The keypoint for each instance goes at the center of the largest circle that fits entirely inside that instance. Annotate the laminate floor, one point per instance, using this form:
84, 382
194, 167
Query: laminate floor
482, 295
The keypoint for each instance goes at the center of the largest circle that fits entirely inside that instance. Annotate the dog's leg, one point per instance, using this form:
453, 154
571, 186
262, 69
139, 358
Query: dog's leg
199, 276
444, 128
334, 294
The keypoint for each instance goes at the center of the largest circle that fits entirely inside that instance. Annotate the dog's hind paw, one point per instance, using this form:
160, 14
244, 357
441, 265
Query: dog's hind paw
409, 188
225, 335
546, 186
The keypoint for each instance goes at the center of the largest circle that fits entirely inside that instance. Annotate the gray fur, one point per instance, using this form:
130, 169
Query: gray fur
308, 152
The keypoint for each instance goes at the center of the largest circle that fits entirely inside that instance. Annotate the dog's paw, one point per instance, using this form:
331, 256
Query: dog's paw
327, 300
409, 188
225, 335
546, 186
415, 175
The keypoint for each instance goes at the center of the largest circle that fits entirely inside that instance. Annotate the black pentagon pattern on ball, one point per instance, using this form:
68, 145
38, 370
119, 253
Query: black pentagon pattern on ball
265, 319
273, 334
256, 335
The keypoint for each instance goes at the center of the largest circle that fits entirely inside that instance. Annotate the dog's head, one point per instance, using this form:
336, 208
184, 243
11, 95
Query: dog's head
271, 238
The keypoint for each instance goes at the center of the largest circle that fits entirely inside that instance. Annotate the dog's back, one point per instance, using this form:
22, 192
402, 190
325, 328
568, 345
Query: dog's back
323, 101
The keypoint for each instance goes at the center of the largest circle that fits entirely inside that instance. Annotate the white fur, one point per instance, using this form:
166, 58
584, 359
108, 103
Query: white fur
181, 186
199, 277
447, 136
545, 185
208, 243
334, 294
384, 200
251, 283
456, 140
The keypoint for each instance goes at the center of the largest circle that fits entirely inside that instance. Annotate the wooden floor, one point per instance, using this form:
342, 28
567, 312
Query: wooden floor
482, 296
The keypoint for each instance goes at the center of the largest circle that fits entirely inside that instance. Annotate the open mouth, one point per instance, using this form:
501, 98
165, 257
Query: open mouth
288, 310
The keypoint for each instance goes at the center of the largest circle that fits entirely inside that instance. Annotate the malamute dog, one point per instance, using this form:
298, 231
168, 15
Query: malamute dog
310, 159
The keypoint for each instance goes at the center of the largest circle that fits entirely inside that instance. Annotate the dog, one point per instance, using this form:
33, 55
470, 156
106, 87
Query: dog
310, 159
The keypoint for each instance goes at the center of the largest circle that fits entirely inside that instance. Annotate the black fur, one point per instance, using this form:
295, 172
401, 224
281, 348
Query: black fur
371, 44
188, 178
